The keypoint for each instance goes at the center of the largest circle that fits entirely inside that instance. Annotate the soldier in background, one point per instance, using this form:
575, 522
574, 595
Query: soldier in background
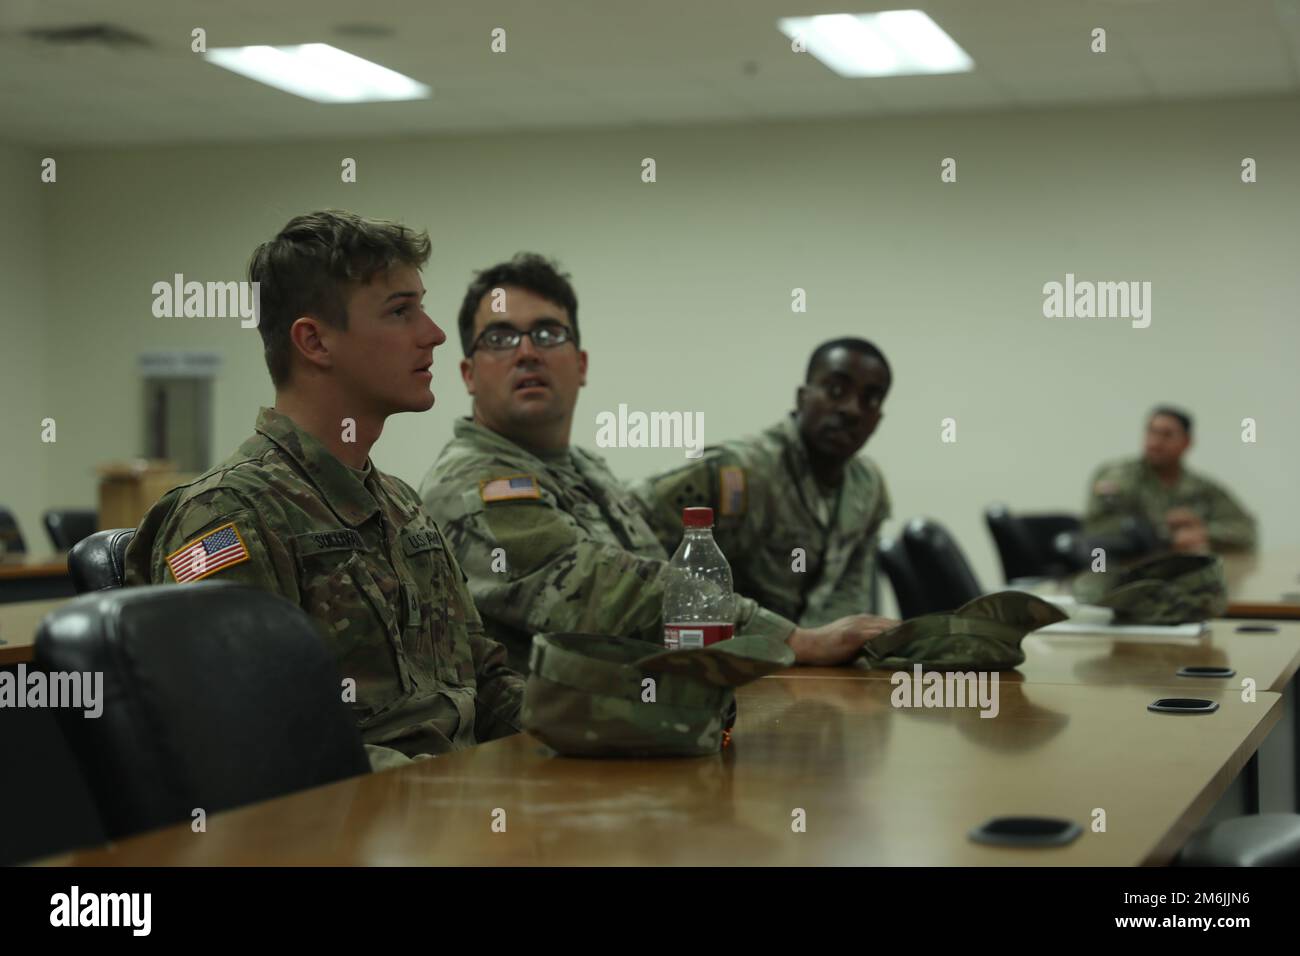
550, 539
1154, 503
798, 514
301, 511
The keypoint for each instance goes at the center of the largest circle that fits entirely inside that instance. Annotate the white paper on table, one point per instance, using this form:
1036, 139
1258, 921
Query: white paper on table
1090, 614
1174, 633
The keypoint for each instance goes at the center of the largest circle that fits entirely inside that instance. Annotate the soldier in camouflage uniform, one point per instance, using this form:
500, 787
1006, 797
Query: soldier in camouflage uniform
551, 541
798, 514
1179, 509
301, 511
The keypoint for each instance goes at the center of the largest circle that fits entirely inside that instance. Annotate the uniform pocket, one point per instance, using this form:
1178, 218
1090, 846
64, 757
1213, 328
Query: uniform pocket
439, 640
360, 627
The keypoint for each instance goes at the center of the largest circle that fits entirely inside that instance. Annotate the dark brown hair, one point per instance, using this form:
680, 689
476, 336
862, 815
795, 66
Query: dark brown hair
527, 270
309, 267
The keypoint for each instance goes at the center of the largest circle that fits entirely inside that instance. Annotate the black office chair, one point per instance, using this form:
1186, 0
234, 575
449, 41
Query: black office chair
1134, 537
946, 578
97, 563
902, 578
1034, 546
214, 695
67, 526
11, 539
1260, 839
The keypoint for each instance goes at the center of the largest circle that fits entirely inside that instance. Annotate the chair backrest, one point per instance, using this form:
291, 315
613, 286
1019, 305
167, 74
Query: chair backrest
96, 562
214, 695
902, 578
67, 526
1020, 554
941, 567
1035, 546
1044, 527
1260, 839
11, 538
1057, 537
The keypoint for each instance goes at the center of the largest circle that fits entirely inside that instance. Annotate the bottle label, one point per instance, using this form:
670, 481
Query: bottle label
682, 637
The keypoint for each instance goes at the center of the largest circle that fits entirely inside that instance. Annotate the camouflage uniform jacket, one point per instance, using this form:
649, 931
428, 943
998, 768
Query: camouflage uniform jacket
370, 568
554, 544
1130, 488
766, 504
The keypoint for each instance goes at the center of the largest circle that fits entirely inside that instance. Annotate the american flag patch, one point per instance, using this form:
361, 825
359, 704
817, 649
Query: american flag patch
732, 498
504, 489
209, 554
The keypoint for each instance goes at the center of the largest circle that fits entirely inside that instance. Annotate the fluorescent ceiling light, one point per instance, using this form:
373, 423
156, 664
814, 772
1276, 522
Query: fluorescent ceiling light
320, 72
893, 43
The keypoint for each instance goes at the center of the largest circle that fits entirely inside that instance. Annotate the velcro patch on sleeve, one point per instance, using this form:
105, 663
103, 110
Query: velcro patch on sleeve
220, 548
415, 542
731, 499
509, 488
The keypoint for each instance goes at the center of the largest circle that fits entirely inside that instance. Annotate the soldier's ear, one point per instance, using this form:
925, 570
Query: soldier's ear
582, 367
800, 396
308, 341
467, 375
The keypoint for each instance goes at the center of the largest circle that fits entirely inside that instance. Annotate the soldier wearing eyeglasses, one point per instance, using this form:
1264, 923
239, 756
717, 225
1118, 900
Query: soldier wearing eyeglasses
549, 538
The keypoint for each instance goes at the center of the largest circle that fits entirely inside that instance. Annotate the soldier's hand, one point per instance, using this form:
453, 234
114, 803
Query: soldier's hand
1191, 540
837, 642
1177, 518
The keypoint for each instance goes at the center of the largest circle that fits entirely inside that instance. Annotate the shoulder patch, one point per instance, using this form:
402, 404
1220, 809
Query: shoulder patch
731, 497
1106, 486
508, 488
220, 548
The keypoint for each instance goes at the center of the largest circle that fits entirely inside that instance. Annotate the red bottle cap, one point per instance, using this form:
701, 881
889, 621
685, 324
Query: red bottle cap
697, 517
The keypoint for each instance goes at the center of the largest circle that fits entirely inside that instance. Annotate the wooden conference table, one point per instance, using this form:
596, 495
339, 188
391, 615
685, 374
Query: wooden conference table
33, 566
1263, 585
34, 577
18, 623
877, 785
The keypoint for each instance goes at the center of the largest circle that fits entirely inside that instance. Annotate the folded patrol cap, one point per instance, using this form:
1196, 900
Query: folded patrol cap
1166, 589
593, 695
983, 634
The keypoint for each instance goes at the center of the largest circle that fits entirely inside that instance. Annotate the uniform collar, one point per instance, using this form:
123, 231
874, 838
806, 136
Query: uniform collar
575, 462
799, 468
1150, 473
488, 440
787, 432
347, 495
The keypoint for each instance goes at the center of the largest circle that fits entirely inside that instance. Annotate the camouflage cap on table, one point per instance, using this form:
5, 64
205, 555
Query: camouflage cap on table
591, 695
1166, 589
983, 634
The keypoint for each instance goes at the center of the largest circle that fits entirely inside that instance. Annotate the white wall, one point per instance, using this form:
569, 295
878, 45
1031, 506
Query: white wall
685, 284
24, 392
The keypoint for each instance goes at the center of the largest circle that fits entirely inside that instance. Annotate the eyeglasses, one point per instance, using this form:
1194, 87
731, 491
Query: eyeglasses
503, 338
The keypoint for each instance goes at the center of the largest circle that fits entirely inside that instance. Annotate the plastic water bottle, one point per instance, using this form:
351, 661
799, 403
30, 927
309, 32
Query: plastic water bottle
699, 606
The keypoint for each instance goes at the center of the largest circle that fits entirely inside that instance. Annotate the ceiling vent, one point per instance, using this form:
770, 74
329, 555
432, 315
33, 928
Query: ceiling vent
95, 34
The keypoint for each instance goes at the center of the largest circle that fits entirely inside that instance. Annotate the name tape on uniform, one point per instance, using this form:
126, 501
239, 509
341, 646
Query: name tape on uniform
317, 542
